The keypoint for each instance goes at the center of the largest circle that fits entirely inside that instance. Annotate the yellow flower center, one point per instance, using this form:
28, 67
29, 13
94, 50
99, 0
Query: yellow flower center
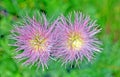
38, 43
74, 42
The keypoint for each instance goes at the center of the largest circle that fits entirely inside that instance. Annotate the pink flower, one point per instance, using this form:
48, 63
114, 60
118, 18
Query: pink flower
76, 40
34, 41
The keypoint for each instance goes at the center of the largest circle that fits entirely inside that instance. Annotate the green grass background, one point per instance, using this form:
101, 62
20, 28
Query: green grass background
107, 13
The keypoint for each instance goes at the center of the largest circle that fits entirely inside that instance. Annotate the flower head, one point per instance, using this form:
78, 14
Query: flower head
33, 41
76, 40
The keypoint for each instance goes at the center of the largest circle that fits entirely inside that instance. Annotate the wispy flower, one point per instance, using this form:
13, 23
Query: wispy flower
76, 40
34, 41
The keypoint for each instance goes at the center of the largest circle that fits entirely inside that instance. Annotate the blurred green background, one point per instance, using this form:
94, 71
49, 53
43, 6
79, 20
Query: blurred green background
107, 13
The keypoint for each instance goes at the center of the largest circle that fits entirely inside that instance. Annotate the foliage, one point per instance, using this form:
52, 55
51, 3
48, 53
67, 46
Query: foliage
107, 14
